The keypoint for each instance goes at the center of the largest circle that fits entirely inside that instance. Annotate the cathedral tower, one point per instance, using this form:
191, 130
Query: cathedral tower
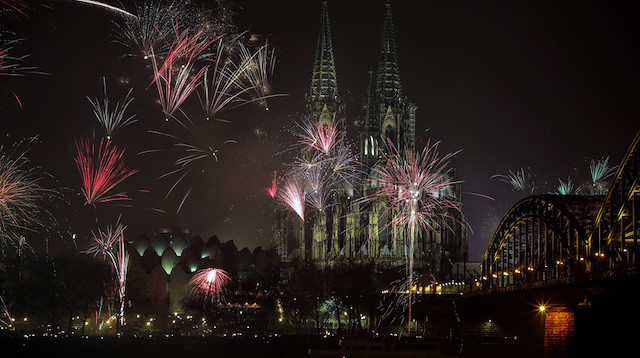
323, 100
390, 116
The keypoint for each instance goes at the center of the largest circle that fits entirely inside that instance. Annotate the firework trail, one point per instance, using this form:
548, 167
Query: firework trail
5, 311
566, 187
600, 171
101, 166
344, 166
319, 135
16, 8
222, 84
325, 166
111, 244
293, 196
395, 303
112, 118
212, 22
174, 78
209, 284
258, 69
190, 158
519, 181
11, 65
417, 188
21, 195
153, 24
273, 190
11, 6
108, 7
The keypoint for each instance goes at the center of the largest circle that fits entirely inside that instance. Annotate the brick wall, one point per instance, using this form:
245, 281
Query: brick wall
559, 332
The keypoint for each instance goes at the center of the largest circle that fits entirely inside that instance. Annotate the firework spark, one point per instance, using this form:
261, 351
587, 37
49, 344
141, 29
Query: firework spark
190, 158
153, 23
209, 284
418, 189
293, 196
108, 7
110, 244
325, 166
21, 195
273, 190
320, 135
112, 118
258, 67
222, 85
9, 320
11, 65
101, 168
16, 8
174, 78
519, 181
566, 187
600, 171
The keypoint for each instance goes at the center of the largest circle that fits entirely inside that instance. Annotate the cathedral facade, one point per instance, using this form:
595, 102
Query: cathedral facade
352, 229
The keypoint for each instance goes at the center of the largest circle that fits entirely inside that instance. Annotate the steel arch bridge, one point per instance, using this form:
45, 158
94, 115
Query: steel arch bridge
552, 239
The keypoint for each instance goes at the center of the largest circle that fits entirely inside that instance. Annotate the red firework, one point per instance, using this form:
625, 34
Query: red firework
102, 168
418, 187
273, 190
293, 196
174, 78
320, 135
209, 284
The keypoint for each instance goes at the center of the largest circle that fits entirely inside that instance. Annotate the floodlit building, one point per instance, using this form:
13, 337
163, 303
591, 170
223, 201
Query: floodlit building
351, 229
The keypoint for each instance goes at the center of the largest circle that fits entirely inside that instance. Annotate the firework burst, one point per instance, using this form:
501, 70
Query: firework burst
519, 181
258, 67
324, 169
273, 190
209, 284
319, 135
418, 188
600, 171
101, 166
10, 64
174, 76
112, 118
110, 244
150, 29
418, 191
222, 85
566, 187
293, 196
21, 195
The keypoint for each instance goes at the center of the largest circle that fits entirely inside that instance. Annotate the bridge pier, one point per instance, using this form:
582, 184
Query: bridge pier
559, 332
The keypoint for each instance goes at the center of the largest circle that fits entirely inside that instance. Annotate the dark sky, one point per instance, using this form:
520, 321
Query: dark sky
541, 85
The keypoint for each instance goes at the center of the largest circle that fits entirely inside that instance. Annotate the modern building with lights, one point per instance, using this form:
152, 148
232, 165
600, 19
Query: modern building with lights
162, 265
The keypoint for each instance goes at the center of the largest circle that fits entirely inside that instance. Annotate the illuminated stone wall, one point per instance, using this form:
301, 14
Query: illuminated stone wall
559, 332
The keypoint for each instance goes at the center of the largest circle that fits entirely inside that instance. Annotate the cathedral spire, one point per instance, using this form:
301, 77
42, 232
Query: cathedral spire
388, 86
324, 82
323, 103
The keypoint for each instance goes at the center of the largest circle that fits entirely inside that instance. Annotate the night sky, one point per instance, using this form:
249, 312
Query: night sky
542, 85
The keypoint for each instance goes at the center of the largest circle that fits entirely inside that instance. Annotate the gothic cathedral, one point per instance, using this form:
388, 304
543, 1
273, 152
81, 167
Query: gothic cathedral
356, 230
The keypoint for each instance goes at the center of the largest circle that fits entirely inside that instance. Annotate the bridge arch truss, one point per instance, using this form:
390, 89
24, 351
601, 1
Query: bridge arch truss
542, 238
569, 238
